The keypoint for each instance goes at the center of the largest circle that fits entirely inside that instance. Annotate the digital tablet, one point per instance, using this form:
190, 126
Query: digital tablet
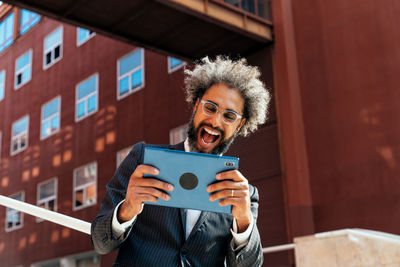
190, 174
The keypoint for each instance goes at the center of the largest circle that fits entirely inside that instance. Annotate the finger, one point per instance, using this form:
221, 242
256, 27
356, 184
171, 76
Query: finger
154, 192
150, 182
234, 201
234, 175
228, 194
144, 169
146, 198
227, 185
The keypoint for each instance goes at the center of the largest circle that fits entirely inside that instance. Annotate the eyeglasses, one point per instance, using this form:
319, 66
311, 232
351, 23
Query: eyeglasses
228, 116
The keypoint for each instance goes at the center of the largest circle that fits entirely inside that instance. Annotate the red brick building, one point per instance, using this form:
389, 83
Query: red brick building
73, 103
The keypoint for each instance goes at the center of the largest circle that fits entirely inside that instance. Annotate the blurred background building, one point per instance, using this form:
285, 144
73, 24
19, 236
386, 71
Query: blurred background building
83, 81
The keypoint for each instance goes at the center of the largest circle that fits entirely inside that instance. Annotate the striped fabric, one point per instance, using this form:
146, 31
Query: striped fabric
157, 236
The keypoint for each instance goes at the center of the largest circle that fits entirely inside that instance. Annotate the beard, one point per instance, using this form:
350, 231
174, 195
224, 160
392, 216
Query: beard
219, 149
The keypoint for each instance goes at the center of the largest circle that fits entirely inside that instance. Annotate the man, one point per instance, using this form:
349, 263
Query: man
228, 99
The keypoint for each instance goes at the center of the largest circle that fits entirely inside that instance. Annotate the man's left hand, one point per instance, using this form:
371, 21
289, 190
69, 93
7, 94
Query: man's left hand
233, 189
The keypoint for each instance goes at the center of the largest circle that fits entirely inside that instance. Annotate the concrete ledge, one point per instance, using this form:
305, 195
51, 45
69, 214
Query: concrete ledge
348, 247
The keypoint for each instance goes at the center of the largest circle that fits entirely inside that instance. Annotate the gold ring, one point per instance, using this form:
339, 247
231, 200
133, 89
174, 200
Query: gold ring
232, 193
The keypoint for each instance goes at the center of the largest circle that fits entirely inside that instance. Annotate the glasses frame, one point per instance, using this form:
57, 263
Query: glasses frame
203, 102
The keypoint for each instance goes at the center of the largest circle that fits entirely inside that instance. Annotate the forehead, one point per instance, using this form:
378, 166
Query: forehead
225, 97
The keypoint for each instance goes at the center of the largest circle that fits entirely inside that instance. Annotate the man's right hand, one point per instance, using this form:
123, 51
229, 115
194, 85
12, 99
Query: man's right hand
140, 190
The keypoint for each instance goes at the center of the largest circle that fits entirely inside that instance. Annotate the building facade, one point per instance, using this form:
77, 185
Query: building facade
72, 104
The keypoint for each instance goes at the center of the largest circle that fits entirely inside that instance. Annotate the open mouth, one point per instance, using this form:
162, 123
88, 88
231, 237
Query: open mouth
209, 136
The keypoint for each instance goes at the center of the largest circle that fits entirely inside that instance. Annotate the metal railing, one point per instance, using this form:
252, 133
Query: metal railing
81, 225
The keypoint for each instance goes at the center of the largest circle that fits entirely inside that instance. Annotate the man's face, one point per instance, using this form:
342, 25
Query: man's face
210, 133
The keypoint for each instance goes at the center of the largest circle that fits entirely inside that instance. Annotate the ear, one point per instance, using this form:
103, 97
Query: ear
241, 123
195, 105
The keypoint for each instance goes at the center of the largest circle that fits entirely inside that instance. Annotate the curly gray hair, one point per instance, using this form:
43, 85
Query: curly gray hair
235, 74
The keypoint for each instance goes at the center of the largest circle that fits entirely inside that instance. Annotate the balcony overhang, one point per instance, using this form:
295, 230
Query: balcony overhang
188, 29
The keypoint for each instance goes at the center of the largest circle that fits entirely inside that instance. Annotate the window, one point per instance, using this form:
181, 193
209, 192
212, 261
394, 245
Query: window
82, 35
85, 186
19, 135
178, 134
14, 218
47, 196
87, 97
2, 84
28, 20
130, 73
122, 154
50, 118
6, 32
174, 64
23, 69
52, 48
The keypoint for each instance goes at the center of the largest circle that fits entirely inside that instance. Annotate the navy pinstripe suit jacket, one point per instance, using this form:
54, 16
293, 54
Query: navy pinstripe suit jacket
157, 236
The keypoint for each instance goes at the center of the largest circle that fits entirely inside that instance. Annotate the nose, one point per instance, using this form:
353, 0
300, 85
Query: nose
216, 120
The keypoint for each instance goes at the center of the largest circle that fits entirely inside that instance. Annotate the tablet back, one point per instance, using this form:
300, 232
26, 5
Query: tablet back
190, 173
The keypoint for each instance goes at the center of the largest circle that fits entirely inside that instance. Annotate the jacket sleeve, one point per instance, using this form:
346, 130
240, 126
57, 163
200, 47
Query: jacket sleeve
250, 255
103, 239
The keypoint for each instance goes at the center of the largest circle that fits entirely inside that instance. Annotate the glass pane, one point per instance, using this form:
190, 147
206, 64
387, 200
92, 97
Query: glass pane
173, 62
47, 190
91, 194
55, 123
17, 196
9, 26
57, 52
92, 103
53, 39
23, 60
46, 128
81, 109
82, 34
130, 62
2, 74
79, 198
26, 75
248, 5
124, 85
137, 78
20, 126
51, 108
85, 175
87, 87
52, 205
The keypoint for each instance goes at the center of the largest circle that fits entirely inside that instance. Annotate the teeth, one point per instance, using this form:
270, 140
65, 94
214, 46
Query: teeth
211, 131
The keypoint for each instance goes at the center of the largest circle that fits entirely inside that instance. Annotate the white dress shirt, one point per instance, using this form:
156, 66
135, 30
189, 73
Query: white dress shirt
239, 240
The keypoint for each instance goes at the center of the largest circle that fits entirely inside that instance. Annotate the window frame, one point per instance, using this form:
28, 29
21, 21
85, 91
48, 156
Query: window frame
177, 67
16, 87
20, 26
96, 75
89, 36
46, 200
3, 94
12, 153
53, 61
75, 188
179, 130
13, 228
59, 117
119, 153
7, 42
142, 66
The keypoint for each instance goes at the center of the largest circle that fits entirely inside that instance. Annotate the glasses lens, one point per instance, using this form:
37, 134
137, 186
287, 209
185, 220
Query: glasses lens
209, 108
229, 117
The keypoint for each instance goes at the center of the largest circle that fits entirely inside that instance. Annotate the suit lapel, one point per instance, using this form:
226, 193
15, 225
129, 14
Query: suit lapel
203, 216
